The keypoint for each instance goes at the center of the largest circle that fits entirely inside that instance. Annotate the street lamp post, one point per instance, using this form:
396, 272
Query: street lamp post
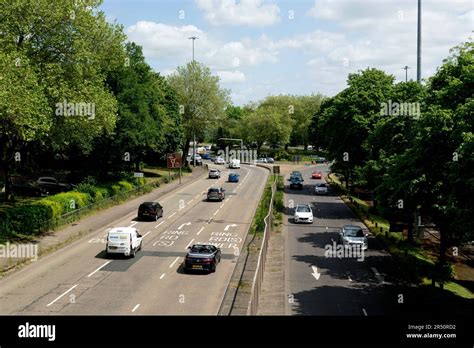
406, 67
418, 46
194, 38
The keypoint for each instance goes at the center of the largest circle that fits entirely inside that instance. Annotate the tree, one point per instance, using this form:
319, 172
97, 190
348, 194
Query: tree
24, 112
201, 100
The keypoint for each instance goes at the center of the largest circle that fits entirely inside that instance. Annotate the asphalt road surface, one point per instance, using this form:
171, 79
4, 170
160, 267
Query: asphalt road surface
79, 279
350, 285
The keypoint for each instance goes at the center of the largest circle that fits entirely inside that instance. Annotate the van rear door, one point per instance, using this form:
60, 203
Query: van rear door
118, 241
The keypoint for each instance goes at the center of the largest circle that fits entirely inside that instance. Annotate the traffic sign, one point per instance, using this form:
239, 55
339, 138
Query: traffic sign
173, 160
276, 169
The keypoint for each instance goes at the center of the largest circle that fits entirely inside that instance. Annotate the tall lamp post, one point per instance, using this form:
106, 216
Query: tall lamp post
406, 67
418, 46
194, 38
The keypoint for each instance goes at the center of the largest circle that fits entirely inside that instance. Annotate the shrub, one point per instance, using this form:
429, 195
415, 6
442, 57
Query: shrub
125, 186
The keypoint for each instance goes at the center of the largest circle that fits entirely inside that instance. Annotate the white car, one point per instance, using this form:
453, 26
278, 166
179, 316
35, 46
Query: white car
321, 189
352, 235
214, 174
303, 213
234, 164
261, 160
219, 160
123, 240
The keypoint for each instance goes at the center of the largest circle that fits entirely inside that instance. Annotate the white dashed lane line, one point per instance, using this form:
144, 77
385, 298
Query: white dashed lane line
162, 222
215, 213
176, 260
169, 217
135, 308
64, 293
146, 234
98, 269
199, 232
162, 276
191, 242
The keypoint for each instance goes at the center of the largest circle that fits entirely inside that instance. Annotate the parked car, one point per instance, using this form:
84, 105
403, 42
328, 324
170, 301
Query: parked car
216, 194
219, 160
261, 160
317, 175
123, 240
321, 189
26, 188
303, 213
353, 235
52, 185
270, 160
202, 257
234, 177
296, 182
206, 156
150, 210
214, 174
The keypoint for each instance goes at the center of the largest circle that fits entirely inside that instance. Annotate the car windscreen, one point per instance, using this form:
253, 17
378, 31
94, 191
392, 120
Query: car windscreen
354, 233
303, 209
322, 185
213, 190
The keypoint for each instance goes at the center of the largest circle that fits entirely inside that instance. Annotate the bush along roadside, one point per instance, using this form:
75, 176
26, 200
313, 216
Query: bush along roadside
258, 223
25, 221
413, 265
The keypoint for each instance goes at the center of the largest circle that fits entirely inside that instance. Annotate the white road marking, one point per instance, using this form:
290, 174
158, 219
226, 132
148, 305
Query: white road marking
57, 298
227, 227
135, 308
162, 276
191, 242
185, 224
162, 222
188, 202
169, 217
176, 260
199, 232
209, 221
222, 205
197, 196
227, 199
234, 191
365, 312
350, 279
98, 269
133, 223
215, 213
146, 234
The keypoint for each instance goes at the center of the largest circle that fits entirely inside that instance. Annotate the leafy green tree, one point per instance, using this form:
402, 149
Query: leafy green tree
201, 100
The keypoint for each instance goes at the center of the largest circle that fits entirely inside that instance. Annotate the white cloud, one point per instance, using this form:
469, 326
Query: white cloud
235, 76
257, 13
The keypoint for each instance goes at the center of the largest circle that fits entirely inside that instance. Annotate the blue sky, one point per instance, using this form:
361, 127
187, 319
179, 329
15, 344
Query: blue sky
265, 47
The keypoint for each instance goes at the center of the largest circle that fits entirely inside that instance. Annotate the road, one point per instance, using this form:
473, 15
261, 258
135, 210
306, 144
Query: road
346, 286
79, 279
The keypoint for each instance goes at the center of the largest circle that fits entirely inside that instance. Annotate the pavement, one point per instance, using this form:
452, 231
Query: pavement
79, 279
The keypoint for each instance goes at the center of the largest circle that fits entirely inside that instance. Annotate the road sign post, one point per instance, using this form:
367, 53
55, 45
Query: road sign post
174, 161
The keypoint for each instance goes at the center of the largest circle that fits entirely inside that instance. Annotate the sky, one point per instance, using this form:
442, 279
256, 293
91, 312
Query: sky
269, 47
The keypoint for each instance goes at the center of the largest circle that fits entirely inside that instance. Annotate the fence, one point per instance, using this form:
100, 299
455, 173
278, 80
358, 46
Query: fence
258, 277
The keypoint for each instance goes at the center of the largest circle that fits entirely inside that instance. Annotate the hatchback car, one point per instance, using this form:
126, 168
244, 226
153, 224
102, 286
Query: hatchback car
316, 175
214, 174
202, 257
352, 235
219, 160
303, 213
216, 194
150, 211
321, 189
296, 183
233, 177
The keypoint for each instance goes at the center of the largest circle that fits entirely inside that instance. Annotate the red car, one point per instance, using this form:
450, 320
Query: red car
316, 175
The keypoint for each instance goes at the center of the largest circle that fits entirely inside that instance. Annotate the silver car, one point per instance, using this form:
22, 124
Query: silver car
352, 235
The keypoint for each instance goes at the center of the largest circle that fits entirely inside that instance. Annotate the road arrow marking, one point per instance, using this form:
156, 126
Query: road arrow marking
315, 273
185, 224
227, 227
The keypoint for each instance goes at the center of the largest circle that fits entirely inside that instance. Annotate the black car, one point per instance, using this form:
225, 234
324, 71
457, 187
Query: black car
296, 183
150, 211
216, 194
25, 188
52, 185
202, 257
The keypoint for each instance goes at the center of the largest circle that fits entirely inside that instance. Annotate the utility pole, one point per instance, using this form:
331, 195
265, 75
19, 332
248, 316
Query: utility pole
406, 67
418, 46
194, 38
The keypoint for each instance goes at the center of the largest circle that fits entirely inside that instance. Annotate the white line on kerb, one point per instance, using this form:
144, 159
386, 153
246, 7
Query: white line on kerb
162, 222
57, 298
363, 310
133, 223
199, 232
169, 217
135, 308
189, 243
98, 269
175, 260
162, 276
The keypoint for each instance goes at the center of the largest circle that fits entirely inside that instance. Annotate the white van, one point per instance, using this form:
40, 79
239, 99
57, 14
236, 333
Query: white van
234, 164
123, 240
